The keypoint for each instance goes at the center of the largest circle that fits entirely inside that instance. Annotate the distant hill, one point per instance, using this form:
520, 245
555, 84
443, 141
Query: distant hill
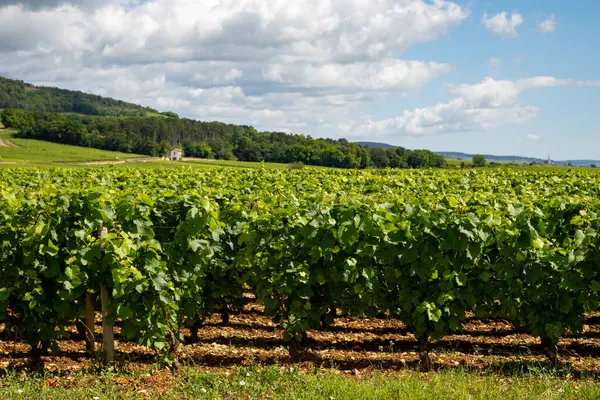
376, 145
515, 159
581, 163
490, 157
20, 95
453, 155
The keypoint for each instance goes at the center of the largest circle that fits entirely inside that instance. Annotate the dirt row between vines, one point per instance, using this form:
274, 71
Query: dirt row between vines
351, 345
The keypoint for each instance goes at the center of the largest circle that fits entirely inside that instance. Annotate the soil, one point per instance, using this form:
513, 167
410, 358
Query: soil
351, 345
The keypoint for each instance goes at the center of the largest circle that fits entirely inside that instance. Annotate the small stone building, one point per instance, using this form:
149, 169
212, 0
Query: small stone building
175, 155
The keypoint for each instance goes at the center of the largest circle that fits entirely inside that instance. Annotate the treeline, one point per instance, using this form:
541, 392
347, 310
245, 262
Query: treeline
156, 136
21, 95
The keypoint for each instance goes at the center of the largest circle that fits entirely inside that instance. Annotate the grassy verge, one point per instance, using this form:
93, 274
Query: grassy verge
279, 383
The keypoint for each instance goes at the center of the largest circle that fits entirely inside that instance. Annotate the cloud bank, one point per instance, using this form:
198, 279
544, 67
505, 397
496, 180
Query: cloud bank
271, 63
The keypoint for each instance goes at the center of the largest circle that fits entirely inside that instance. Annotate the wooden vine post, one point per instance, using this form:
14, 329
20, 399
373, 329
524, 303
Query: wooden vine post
90, 337
423, 348
297, 347
194, 330
225, 314
551, 351
108, 335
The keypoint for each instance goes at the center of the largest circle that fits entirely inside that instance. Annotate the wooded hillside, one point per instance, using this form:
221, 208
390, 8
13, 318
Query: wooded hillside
21, 95
76, 118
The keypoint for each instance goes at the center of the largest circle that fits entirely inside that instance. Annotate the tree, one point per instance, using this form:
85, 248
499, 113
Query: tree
479, 161
163, 148
418, 159
222, 149
380, 157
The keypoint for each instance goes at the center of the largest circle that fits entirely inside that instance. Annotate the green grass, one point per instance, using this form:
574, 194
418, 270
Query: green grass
156, 115
276, 383
453, 162
240, 164
29, 150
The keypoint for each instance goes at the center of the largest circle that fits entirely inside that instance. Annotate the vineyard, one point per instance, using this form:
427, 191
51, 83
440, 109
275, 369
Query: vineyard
156, 254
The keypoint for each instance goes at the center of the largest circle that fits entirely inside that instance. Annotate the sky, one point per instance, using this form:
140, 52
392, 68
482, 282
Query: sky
498, 77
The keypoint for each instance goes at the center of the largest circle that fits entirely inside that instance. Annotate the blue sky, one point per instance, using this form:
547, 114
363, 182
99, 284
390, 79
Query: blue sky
568, 123
499, 77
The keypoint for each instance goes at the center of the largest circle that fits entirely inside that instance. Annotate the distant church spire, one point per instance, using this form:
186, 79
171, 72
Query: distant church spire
549, 159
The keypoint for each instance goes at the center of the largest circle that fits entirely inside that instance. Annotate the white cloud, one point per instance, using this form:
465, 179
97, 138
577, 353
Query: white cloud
550, 81
494, 66
532, 136
264, 30
489, 93
454, 116
303, 66
501, 25
386, 74
548, 25
479, 107
42, 31
38, 4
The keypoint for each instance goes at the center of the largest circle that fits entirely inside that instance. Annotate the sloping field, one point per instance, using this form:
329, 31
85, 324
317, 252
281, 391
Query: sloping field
38, 151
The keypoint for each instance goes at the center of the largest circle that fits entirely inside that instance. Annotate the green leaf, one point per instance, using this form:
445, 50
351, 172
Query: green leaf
52, 249
124, 312
577, 220
434, 315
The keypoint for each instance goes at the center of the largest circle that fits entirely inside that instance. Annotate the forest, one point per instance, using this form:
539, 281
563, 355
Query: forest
21, 95
155, 136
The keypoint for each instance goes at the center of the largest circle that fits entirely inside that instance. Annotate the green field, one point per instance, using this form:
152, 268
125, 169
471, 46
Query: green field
453, 162
37, 151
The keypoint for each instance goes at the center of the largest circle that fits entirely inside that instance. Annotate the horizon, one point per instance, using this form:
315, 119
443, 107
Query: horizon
490, 154
475, 78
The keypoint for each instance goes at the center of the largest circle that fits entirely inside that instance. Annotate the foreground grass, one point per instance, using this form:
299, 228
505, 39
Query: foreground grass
29, 150
280, 383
